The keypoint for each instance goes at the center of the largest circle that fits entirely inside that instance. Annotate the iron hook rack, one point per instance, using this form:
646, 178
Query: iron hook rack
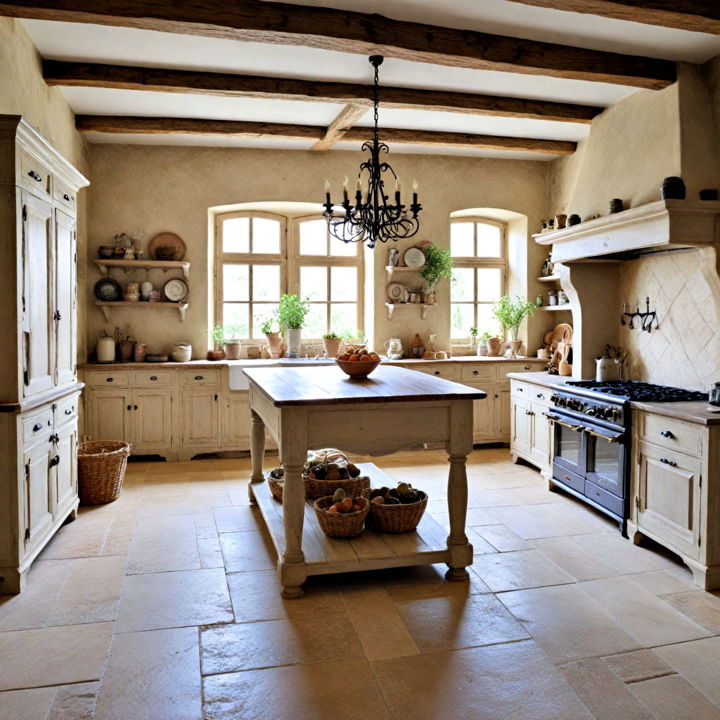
647, 318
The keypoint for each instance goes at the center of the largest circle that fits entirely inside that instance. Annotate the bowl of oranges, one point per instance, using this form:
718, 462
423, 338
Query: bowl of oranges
357, 362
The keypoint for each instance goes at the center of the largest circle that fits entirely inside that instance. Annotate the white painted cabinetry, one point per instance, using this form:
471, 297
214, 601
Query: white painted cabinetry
38, 388
531, 431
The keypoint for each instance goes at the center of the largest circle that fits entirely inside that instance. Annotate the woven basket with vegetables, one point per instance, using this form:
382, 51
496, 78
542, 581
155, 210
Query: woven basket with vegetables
341, 515
396, 510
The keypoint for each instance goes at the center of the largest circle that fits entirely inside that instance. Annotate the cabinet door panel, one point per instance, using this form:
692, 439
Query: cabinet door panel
236, 421
66, 468
65, 284
521, 423
37, 296
540, 437
669, 497
152, 421
107, 416
201, 419
502, 413
484, 418
38, 493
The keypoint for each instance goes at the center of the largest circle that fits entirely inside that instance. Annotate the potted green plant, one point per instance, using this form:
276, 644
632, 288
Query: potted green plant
232, 346
438, 265
482, 346
217, 334
274, 340
291, 318
510, 313
331, 342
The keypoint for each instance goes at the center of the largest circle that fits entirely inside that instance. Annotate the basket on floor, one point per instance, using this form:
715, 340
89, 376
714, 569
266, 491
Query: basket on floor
315, 488
395, 518
276, 487
340, 525
101, 470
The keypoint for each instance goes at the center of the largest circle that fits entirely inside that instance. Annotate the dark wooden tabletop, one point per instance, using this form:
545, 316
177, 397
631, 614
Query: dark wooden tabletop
328, 385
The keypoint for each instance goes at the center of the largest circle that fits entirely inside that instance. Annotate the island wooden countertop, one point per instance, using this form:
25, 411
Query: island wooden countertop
328, 385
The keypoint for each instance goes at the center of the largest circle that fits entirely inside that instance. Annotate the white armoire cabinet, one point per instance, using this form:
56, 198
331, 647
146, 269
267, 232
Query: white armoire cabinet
39, 392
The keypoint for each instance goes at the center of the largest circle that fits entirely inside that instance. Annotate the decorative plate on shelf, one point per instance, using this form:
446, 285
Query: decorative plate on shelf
414, 257
396, 293
175, 290
166, 246
107, 290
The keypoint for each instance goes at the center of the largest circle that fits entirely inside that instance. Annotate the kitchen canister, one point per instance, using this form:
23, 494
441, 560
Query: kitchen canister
140, 352
182, 352
105, 349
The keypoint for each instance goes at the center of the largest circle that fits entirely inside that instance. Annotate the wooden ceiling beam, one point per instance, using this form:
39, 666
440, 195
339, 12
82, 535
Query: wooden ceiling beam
228, 128
694, 15
354, 32
122, 77
339, 127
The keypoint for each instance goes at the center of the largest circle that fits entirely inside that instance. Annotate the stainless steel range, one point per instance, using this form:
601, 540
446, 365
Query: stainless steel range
592, 438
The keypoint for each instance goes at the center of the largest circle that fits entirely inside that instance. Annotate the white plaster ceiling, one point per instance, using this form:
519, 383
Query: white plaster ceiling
129, 46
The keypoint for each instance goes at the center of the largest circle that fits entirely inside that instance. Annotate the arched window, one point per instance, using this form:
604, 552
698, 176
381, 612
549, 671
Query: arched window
261, 255
479, 250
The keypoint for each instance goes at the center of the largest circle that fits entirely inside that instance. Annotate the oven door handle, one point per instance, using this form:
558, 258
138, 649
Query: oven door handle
609, 438
555, 419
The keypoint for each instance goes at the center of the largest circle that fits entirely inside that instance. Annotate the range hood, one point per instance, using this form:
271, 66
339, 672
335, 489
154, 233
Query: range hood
655, 227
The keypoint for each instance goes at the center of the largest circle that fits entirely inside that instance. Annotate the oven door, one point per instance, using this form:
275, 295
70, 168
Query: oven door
607, 459
570, 451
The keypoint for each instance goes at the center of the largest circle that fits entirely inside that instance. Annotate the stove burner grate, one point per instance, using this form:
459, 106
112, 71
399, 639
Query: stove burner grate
639, 391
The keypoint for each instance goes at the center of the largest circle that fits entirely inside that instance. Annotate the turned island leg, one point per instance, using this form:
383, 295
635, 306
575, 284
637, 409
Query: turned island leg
257, 452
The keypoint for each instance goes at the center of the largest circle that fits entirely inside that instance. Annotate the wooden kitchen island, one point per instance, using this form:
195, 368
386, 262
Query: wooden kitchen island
394, 409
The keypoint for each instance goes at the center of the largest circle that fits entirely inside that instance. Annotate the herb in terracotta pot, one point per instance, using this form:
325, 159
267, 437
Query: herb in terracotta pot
217, 335
291, 318
438, 265
232, 346
331, 342
274, 340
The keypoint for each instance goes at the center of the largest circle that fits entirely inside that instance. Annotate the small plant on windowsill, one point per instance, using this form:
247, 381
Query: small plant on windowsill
510, 313
331, 343
438, 265
291, 318
217, 335
232, 345
272, 334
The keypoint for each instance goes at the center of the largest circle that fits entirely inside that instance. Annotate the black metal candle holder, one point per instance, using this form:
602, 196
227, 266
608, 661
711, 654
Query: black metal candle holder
647, 318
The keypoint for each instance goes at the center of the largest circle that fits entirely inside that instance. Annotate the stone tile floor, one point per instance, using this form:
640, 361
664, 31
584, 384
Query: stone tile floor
164, 605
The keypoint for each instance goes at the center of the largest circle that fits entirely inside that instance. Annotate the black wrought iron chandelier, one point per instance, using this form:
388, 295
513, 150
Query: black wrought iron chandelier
372, 218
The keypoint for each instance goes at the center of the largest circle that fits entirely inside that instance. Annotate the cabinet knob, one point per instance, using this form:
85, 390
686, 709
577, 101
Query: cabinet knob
37, 427
55, 461
667, 434
153, 377
671, 463
526, 367
35, 176
70, 411
520, 390
437, 372
66, 197
134, 407
216, 397
129, 407
199, 377
540, 396
109, 379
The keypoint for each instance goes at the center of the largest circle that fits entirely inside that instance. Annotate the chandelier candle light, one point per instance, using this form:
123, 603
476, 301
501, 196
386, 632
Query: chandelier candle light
373, 219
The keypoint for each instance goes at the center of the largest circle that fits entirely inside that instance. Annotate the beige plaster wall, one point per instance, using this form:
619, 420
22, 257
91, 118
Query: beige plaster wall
24, 92
171, 188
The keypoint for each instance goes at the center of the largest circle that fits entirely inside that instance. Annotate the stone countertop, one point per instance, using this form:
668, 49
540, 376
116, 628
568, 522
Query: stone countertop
692, 412
298, 362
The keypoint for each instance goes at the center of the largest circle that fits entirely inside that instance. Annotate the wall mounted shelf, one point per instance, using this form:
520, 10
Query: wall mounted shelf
106, 307
392, 269
549, 278
423, 308
557, 308
127, 265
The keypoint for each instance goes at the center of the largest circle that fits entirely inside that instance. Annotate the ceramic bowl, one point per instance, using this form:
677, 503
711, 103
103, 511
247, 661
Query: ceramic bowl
357, 368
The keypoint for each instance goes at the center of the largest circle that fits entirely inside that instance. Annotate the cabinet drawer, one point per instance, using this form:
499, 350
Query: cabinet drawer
66, 410
523, 390
34, 175
36, 425
120, 378
149, 378
671, 434
64, 195
449, 372
566, 477
503, 368
199, 378
478, 373
604, 498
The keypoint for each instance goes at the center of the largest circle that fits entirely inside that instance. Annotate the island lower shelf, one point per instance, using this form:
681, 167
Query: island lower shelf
368, 551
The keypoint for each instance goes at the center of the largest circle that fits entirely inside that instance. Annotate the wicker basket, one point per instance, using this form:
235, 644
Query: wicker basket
340, 525
101, 470
276, 487
396, 518
315, 488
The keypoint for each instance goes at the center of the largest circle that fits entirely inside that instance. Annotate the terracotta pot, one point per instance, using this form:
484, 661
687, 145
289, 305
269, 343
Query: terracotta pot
274, 342
232, 350
515, 346
494, 347
215, 355
332, 346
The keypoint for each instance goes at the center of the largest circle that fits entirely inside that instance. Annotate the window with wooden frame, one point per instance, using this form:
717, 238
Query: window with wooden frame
259, 256
329, 273
479, 250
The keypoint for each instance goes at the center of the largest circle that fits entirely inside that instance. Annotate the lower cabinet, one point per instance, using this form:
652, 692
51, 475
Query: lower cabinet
151, 419
531, 431
200, 420
236, 420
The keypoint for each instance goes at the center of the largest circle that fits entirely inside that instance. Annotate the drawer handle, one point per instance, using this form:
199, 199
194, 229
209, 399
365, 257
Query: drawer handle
55, 461
129, 407
526, 367
108, 379
70, 411
134, 407
37, 427
667, 434
153, 377
520, 390
671, 463
66, 197
475, 372
567, 478
199, 377
35, 176
541, 396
